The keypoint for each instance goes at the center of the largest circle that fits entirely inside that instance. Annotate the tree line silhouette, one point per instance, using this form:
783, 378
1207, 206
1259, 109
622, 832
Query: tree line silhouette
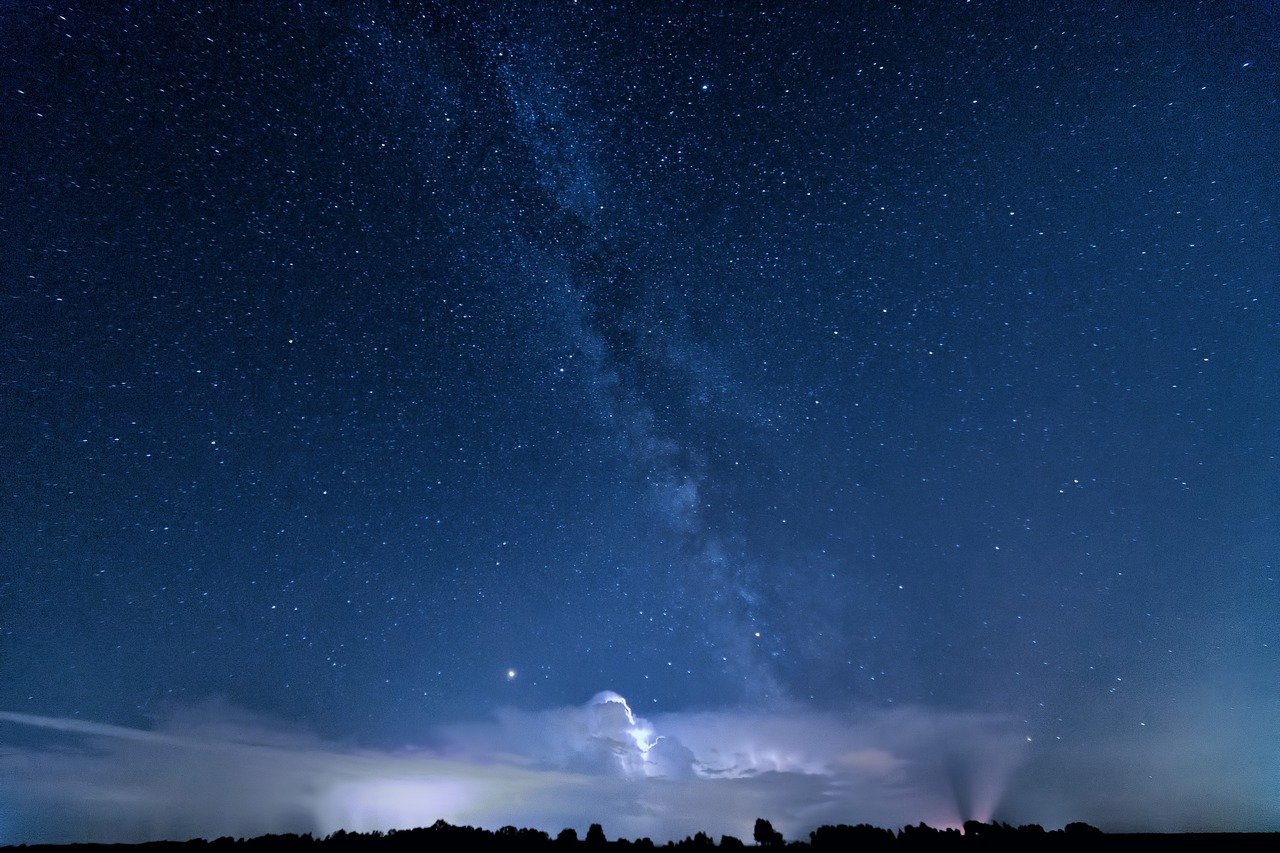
862, 838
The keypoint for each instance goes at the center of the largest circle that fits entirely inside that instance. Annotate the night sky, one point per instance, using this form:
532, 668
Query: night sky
883, 398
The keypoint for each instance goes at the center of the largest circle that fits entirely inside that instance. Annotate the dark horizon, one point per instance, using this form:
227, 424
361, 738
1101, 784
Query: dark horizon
973, 835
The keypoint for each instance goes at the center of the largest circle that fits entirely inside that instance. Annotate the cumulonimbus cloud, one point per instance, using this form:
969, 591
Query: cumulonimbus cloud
223, 772
210, 770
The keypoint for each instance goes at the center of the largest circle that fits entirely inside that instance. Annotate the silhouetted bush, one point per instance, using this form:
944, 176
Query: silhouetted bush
845, 837
765, 835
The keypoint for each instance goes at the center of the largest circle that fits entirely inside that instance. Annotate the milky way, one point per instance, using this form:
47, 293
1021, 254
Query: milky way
846, 388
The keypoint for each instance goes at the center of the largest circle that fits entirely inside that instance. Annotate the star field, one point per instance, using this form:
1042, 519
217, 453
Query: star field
383, 370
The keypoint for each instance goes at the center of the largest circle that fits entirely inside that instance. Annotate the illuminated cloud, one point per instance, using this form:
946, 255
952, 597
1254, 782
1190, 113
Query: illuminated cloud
209, 770
212, 771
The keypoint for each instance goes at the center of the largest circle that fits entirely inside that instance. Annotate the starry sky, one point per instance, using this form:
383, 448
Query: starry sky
880, 399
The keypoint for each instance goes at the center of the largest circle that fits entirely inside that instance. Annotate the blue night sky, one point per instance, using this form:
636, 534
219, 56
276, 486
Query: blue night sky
883, 398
